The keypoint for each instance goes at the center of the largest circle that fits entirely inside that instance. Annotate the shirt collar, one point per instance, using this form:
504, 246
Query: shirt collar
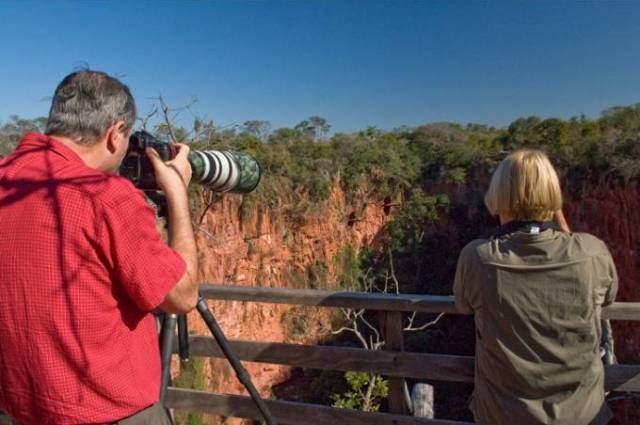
36, 141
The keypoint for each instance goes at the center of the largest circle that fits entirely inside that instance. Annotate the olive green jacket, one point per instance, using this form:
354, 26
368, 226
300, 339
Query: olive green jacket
537, 301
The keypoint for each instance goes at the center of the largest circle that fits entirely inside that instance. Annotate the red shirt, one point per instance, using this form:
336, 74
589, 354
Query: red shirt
81, 267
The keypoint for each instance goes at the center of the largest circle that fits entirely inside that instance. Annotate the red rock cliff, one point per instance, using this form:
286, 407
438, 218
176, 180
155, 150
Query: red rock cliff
271, 249
614, 216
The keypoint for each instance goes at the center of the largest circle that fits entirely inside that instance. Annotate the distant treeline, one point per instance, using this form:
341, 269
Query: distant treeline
303, 163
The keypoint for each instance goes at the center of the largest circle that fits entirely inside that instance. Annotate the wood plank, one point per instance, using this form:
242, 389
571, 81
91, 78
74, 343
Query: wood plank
433, 367
287, 412
622, 311
441, 367
622, 378
393, 333
382, 302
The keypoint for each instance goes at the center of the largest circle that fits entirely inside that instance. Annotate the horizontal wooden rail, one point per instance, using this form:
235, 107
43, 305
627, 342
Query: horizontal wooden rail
312, 297
622, 311
287, 412
622, 378
437, 367
375, 301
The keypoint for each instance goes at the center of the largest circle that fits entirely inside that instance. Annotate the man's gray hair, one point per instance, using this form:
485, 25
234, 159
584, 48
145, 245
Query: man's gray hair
86, 103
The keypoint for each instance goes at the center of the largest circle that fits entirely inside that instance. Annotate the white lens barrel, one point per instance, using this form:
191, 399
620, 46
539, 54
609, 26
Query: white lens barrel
221, 171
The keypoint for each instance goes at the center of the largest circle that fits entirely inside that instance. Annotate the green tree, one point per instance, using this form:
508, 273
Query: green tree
522, 132
12, 131
315, 127
257, 128
365, 392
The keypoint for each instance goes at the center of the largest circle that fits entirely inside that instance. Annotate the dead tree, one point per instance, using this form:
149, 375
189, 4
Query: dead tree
369, 335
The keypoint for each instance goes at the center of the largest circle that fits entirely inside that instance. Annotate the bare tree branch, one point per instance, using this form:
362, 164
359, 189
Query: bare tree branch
145, 120
369, 396
373, 328
359, 335
342, 329
393, 271
411, 319
209, 198
167, 120
422, 327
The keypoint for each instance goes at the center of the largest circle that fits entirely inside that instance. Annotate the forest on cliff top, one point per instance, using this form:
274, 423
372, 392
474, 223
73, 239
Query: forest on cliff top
306, 160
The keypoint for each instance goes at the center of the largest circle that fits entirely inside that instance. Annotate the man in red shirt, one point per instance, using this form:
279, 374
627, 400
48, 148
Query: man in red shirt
82, 265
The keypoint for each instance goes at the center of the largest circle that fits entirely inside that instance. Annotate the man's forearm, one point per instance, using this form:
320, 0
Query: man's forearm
182, 240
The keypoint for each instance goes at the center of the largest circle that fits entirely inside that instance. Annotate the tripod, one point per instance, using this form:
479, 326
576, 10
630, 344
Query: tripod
168, 333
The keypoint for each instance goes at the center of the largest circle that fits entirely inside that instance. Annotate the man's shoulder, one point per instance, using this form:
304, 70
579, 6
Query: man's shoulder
100, 187
118, 190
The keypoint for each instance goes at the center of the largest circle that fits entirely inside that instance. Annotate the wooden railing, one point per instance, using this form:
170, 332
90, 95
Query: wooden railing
393, 363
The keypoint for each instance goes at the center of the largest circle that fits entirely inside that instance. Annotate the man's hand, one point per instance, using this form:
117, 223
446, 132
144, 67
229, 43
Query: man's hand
172, 178
173, 174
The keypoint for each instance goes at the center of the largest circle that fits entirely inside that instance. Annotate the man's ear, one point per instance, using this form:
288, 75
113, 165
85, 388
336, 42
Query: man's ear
115, 137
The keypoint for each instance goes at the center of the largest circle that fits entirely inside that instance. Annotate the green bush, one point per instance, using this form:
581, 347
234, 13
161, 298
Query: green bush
348, 268
358, 395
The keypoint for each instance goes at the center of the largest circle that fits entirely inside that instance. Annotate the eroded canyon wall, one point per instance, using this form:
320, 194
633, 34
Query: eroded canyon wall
268, 248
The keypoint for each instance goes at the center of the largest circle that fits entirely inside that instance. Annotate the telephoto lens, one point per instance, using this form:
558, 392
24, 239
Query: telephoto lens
220, 171
225, 171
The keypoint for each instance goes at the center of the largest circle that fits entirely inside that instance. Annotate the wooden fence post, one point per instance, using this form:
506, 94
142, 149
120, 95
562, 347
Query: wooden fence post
392, 330
422, 400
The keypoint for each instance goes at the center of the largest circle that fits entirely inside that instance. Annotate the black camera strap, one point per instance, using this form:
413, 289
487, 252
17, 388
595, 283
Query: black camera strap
531, 227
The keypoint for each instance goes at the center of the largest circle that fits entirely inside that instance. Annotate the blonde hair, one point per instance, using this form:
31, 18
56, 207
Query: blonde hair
525, 186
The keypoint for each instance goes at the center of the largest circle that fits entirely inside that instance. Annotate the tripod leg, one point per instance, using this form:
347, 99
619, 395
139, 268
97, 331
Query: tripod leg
168, 332
183, 338
241, 372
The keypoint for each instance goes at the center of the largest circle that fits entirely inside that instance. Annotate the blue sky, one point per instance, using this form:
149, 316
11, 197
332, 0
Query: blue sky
356, 63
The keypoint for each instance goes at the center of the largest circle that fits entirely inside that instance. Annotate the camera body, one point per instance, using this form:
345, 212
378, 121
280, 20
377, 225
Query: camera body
136, 166
220, 171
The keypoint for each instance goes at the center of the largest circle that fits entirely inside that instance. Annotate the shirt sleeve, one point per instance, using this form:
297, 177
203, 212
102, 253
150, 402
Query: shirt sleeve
143, 264
611, 282
459, 291
605, 276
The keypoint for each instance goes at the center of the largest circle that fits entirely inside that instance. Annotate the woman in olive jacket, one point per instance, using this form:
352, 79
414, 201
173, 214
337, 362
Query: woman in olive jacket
536, 291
